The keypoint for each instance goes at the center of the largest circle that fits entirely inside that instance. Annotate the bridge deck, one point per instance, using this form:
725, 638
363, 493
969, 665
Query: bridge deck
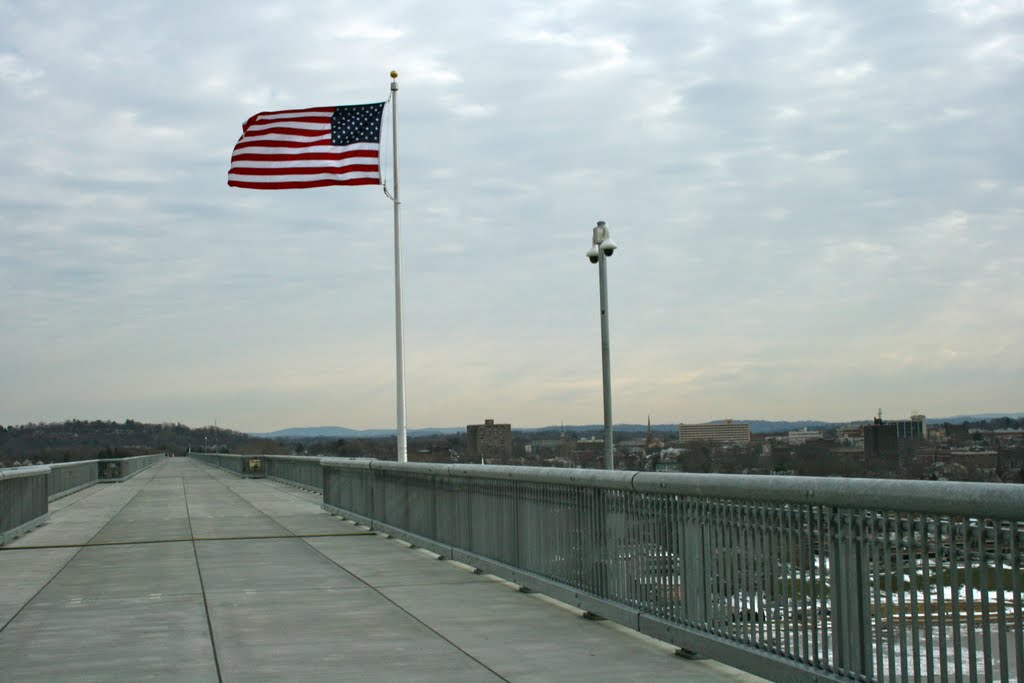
188, 573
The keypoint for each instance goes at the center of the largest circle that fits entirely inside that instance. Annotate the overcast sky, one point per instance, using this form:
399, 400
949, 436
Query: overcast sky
818, 206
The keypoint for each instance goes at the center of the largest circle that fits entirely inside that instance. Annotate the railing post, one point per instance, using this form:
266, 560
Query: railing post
851, 615
694, 565
595, 541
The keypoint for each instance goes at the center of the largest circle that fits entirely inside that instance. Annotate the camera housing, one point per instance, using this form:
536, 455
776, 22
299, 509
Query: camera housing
601, 244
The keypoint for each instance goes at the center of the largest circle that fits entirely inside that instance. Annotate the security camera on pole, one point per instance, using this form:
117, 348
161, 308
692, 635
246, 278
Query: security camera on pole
602, 248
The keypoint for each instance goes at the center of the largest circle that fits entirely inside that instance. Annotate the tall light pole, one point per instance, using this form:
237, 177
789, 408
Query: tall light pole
603, 247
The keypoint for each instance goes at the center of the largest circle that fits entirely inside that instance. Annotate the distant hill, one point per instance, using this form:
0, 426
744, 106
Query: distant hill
960, 419
756, 427
74, 440
346, 433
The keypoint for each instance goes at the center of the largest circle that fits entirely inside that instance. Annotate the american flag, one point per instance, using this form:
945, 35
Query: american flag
316, 147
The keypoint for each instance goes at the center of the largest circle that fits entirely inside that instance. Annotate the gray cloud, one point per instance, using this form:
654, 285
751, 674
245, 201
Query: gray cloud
817, 205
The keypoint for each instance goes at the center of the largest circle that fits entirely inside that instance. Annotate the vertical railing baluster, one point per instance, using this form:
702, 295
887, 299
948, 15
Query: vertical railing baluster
985, 581
970, 620
732, 558
940, 597
810, 598
764, 576
752, 569
789, 603
877, 579
1002, 633
956, 582
730, 550
695, 565
714, 565
818, 597
768, 576
901, 576
743, 560
926, 592
914, 561
1018, 603
677, 520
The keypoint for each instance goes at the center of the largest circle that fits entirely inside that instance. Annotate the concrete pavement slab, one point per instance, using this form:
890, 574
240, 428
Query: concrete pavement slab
237, 526
329, 635
380, 562
125, 639
532, 638
156, 512
267, 564
143, 569
65, 501
124, 529
318, 523
23, 573
522, 637
10, 607
298, 514
60, 532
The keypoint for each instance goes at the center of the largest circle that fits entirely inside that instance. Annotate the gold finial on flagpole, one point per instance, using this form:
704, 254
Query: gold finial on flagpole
394, 74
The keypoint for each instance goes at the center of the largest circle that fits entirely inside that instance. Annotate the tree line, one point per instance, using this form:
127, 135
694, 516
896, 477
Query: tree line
74, 440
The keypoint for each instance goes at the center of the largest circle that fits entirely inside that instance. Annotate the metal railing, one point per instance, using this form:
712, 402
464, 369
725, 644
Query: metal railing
297, 470
26, 492
68, 477
793, 578
242, 465
23, 500
129, 467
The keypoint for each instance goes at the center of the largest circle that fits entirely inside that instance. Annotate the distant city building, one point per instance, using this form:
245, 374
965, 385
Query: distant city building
895, 440
561, 450
725, 432
977, 459
804, 435
489, 442
1007, 436
589, 452
914, 428
852, 437
880, 441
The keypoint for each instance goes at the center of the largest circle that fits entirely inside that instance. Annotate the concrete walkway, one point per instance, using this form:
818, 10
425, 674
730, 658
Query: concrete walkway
188, 573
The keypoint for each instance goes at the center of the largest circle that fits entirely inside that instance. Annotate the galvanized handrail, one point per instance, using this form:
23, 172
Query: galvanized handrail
787, 577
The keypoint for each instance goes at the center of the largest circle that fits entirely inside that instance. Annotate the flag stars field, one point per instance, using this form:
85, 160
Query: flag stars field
357, 123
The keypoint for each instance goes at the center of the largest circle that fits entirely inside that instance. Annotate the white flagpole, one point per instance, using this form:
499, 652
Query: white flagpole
403, 441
